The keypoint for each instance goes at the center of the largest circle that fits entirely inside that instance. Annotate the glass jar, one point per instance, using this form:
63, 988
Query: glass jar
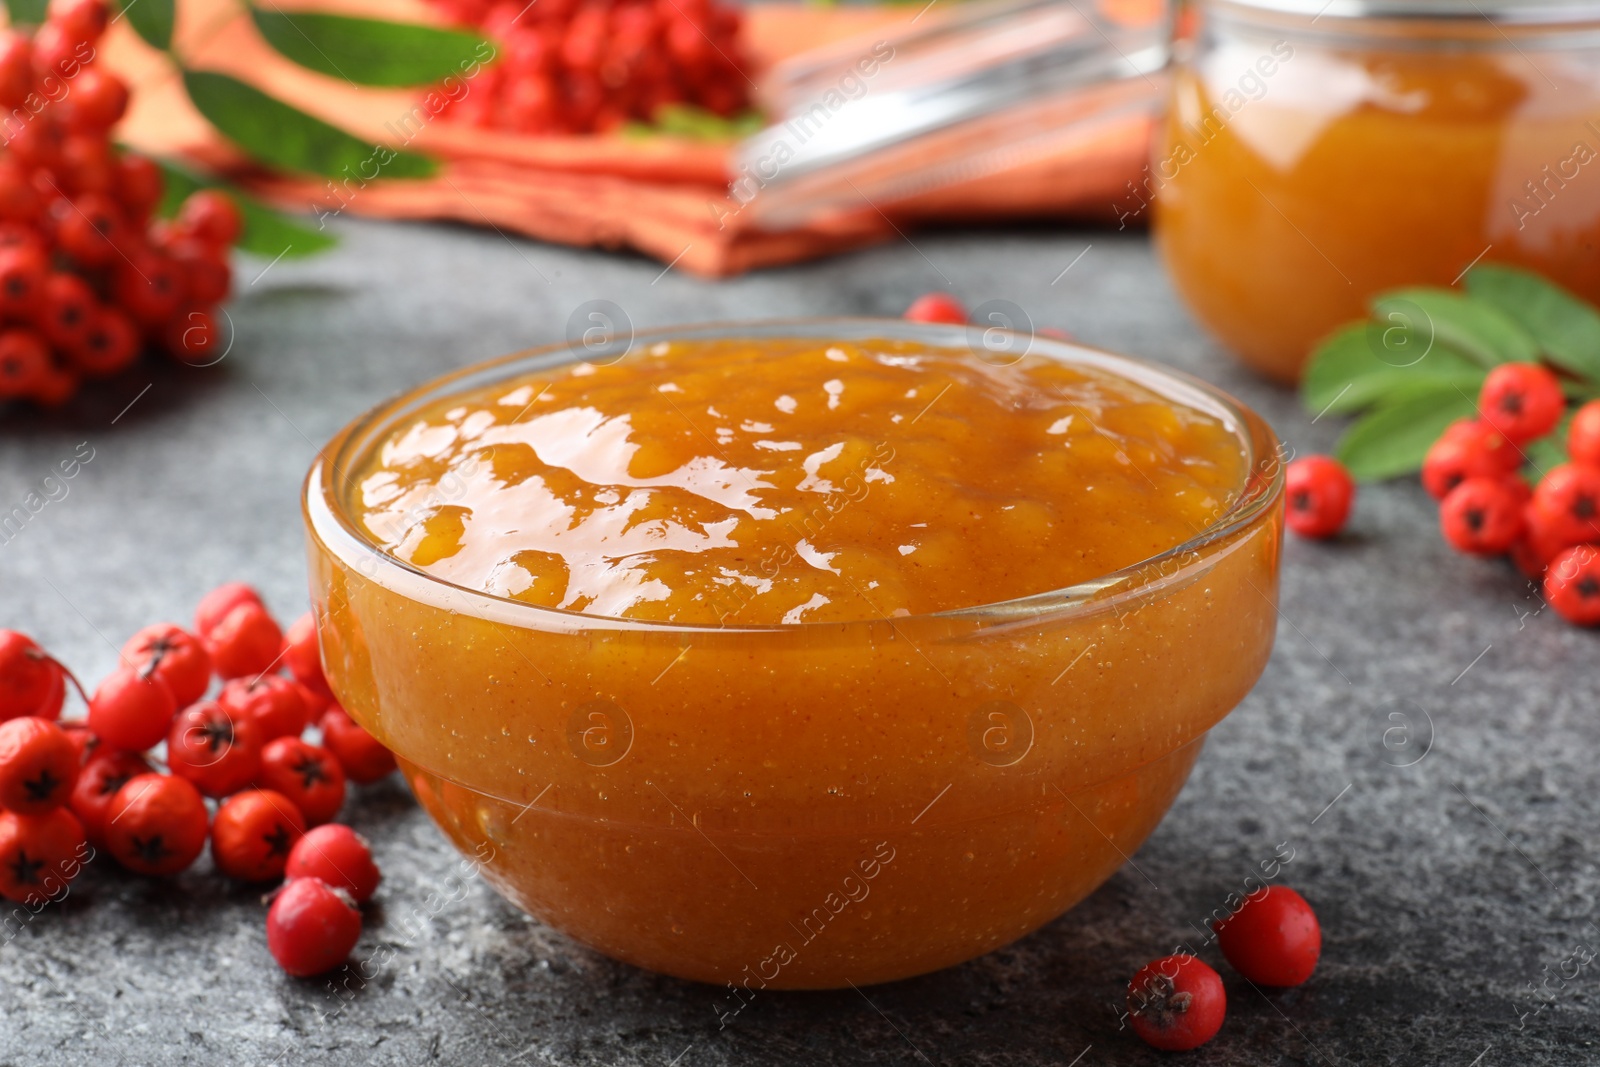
1317, 152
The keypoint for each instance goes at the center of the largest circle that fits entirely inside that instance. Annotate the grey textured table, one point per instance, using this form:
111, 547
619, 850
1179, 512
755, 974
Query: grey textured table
1457, 894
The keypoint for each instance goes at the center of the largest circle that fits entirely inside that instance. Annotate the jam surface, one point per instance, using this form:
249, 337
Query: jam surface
756, 483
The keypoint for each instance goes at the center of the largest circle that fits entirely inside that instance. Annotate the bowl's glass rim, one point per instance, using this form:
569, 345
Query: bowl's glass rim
324, 501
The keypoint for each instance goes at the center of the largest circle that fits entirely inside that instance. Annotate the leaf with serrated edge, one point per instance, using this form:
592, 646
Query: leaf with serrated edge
1478, 330
1350, 370
285, 137
371, 51
1566, 327
1393, 439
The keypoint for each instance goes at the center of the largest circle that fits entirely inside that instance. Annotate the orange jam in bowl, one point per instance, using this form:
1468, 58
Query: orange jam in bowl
800, 654
1317, 152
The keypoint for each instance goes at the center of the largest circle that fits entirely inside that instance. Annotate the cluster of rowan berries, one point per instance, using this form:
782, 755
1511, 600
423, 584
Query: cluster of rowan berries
1551, 531
71, 789
87, 279
587, 66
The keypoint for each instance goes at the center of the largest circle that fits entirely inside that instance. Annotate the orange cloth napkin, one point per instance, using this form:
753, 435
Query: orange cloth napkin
658, 195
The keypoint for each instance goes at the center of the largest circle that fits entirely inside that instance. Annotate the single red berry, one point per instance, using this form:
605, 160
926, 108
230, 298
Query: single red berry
1274, 938
1318, 493
306, 774
137, 183
58, 385
212, 216
96, 102
86, 163
1536, 547
1521, 400
58, 54
175, 656
316, 703
83, 20
1470, 448
1482, 517
66, 307
38, 765
214, 748
937, 307
16, 69
339, 856
207, 275
192, 336
24, 364
39, 854
311, 927
1583, 436
246, 642
22, 276
131, 711
1572, 585
27, 675
1568, 500
302, 654
254, 833
156, 824
1176, 1003
20, 202
97, 787
88, 228
110, 345
37, 144
362, 756
149, 286
215, 605
274, 705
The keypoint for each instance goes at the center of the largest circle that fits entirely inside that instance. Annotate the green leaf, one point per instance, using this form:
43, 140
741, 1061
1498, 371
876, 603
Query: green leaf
266, 232
370, 51
1395, 437
274, 133
1352, 369
151, 19
1567, 328
26, 12
1415, 319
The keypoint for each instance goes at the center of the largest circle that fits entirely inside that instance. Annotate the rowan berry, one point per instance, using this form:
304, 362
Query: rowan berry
1534, 550
312, 927
213, 748
363, 757
246, 642
59, 383
212, 216
306, 774
86, 163
207, 277
274, 705
1482, 517
1318, 493
97, 785
83, 742
156, 824
936, 307
95, 102
175, 656
16, 69
83, 20
339, 856
149, 287
1572, 585
138, 184
1273, 939
253, 834
216, 605
1176, 1003
1583, 436
24, 364
40, 854
38, 765
131, 711
1521, 400
66, 307
22, 276
110, 344
1568, 500
19, 201
28, 676
192, 336
302, 654
89, 228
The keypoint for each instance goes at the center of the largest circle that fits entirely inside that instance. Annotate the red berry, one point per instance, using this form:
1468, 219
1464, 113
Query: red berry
1572, 585
156, 824
65, 310
1318, 492
1470, 448
216, 605
58, 54
16, 69
1536, 547
1176, 1003
339, 856
1568, 501
1521, 400
88, 228
1482, 517
38, 765
1274, 938
307, 775
84, 743
937, 307
58, 385
110, 344
207, 276
211, 216
1583, 436
138, 184
22, 277
131, 711
149, 286
316, 703
214, 749
39, 854
253, 833
175, 656
86, 163
275, 706
311, 927
83, 20
246, 642
96, 102
19, 200
97, 786
303, 655
28, 676
192, 336
362, 756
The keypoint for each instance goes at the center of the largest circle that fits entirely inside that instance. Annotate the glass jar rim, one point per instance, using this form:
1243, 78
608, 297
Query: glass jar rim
328, 516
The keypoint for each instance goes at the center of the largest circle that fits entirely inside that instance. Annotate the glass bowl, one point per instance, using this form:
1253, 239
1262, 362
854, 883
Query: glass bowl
806, 805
